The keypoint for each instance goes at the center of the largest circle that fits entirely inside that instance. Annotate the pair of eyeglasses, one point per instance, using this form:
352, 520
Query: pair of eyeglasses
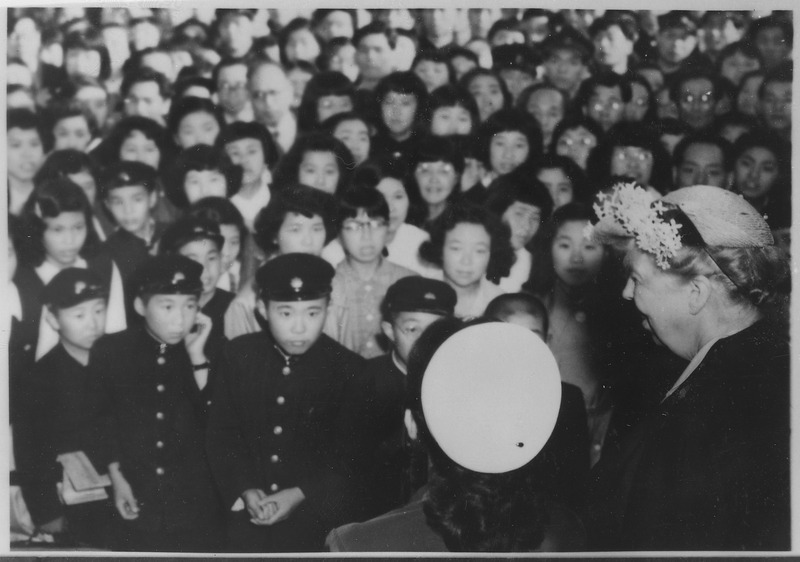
705, 99
598, 106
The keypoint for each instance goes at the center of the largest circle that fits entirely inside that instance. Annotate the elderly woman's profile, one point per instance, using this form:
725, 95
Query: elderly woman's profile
708, 469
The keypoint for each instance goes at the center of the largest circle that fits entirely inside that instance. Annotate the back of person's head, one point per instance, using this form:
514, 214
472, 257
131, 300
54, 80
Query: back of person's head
376, 27
65, 163
27, 120
356, 201
502, 307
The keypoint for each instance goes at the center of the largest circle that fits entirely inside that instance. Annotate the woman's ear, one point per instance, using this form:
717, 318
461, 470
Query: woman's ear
700, 291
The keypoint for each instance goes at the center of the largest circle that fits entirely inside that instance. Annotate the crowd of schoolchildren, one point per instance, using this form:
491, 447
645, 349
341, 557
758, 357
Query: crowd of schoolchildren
228, 228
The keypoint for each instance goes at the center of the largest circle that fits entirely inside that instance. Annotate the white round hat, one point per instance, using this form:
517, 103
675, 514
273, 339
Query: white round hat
491, 395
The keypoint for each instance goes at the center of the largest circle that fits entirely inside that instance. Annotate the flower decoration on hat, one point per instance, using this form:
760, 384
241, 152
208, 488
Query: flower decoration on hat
633, 209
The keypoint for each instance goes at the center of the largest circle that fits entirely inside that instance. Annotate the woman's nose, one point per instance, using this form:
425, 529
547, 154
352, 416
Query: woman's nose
627, 292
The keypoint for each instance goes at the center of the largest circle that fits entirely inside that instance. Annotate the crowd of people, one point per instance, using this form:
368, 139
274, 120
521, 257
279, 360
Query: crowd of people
237, 237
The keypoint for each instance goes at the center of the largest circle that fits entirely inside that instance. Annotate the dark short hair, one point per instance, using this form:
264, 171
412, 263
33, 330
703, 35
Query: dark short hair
182, 107
784, 72
477, 72
376, 27
438, 56
239, 130
501, 253
49, 200
288, 168
328, 83
108, 151
576, 175
703, 137
694, 74
519, 186
200, 157
575, 122
508, 304
145, 75
27, 120
744, 47
370, 201
220, 211
225, 62
508, 120
626, 23
525, 95
606, 79
451, 95
64, 163
405, 82
299, 199
90, 40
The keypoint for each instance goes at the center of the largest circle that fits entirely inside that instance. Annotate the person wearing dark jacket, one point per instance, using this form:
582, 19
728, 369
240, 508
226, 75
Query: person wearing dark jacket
273, 437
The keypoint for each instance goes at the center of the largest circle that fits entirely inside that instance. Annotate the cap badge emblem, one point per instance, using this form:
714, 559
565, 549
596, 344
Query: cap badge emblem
80, 287
429, 297
296, 283
178, 277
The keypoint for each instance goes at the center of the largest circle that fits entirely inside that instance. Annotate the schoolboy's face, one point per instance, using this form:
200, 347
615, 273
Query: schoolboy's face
169, 318
130, 206
364, 238
406, 329
523, 219
249, 154
199, 184
529, 322
301, 234
207, 254
295, 325
80, 325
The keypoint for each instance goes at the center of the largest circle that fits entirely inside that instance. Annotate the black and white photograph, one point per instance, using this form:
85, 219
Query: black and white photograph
302, 279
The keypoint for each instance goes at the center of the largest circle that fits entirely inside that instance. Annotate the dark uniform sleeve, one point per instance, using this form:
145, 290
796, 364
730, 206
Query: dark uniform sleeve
231, 462
38, 470
102, 447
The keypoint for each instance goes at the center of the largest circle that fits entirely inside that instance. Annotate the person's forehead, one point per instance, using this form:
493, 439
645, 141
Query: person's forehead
606, 91
145, 88
298, 305
374, 40
778, 87
231, 70
695, 84
565, 53
703, 151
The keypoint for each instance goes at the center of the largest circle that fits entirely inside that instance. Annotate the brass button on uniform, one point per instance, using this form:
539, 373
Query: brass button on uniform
286, 370
273, 488
160, 444
160, 388
160, 416
278, 430
281, 400
274, 459
161, 360
160, 471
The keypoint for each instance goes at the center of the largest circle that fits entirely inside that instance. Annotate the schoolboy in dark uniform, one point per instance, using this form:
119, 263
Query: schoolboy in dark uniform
410, 306
201, 240
149, 399
129, 193
53, 407
272, 436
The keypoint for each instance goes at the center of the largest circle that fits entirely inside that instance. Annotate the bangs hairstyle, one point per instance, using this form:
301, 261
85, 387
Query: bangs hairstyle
576, 175
451, 95
509, 120
201, 158
369, 201
182, 107
406, 83
239, 130
331, 123
327, 83
520, 186
109, 150
606, 79
501, 254
298, 199
543, 276
572, 123
287, 171
220, 211
142, 75
64, 163
26, 120
477, 72
60, 111
436, 56
48, 201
